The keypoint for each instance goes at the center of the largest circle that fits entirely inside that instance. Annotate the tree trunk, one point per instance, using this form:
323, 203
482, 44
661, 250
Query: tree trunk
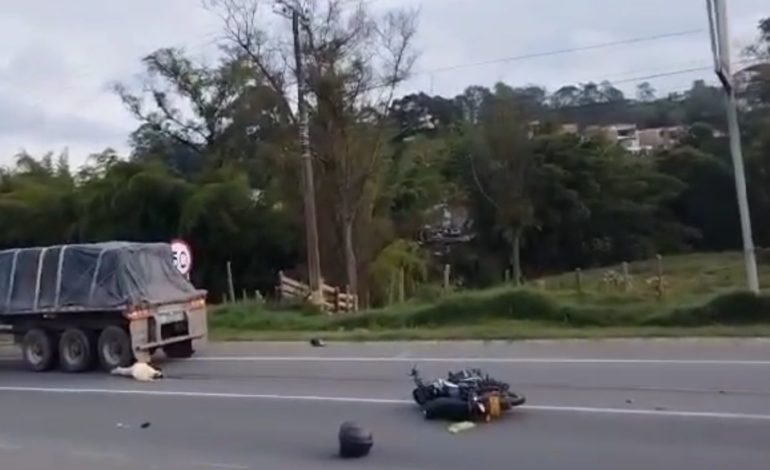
351, 264
516, 256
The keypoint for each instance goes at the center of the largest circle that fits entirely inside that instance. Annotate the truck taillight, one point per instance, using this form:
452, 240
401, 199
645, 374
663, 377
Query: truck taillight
196, 304
138, 314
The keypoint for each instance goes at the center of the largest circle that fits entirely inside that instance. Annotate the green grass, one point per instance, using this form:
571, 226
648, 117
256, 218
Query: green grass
508, 331
702, 298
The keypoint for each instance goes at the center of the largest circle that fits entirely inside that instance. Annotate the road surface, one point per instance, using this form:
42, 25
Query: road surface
598, 405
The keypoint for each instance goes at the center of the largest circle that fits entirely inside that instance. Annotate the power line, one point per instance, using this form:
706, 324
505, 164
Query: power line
662, 74
535, 55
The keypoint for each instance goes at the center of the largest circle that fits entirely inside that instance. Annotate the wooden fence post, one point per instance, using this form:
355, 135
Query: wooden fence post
579, 280
447, 273
401, 286
337, 301
659, 271
279, 287
626, 280
351, 301
230, 285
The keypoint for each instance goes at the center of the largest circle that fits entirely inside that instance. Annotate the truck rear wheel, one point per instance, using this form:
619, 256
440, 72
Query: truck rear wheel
114, 348
76, 352
181, 350
39, 350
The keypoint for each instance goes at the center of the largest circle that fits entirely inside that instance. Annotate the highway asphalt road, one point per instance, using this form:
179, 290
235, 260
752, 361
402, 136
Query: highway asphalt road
701, 404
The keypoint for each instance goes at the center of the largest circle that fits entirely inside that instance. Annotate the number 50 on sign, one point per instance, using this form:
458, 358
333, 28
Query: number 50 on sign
182, 256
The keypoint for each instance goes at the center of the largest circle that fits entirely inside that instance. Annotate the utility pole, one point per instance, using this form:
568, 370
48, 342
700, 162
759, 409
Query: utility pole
308, 183
720, 46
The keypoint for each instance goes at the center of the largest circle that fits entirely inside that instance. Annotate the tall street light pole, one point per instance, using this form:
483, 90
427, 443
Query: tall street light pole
311, 224
720, 46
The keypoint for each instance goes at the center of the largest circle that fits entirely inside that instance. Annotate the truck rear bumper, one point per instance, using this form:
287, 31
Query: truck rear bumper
176, 339
148, 334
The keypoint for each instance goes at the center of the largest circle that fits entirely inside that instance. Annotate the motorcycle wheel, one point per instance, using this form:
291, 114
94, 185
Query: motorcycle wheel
420, 397
515, 399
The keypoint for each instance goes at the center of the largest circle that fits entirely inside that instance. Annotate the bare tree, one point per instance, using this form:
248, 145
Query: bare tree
355, 62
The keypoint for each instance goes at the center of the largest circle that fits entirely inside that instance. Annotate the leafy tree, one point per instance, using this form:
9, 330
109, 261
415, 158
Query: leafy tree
37, 202
226, 220
645, 92
501, 168
131, 201
708, 202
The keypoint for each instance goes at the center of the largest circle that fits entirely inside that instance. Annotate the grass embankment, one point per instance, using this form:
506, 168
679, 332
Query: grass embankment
701, 297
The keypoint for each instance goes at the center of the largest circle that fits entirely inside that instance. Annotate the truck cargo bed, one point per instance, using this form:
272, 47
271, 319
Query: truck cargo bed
99, 277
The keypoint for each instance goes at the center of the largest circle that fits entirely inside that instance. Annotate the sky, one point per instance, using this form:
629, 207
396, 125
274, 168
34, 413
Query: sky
58, 59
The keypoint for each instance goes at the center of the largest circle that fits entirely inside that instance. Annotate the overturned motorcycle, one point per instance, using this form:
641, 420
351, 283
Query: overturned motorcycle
466, 395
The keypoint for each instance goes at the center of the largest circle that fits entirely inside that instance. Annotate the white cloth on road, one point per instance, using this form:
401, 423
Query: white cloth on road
140, 371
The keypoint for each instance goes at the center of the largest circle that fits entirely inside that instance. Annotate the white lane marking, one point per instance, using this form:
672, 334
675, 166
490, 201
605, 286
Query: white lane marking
218, 465
404, 358
99, 455
8, 446
169, 393
387, 401
490, 360
640, 412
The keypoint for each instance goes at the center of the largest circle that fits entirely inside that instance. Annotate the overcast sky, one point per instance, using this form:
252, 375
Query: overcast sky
58, 58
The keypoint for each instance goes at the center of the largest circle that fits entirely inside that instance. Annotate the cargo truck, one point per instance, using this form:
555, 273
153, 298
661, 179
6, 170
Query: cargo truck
98, 305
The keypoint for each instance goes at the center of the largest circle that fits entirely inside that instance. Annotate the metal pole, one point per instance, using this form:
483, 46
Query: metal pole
720, 35
740, 186
311, 226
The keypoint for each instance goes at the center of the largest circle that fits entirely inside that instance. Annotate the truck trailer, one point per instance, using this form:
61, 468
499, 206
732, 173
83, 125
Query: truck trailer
102, 304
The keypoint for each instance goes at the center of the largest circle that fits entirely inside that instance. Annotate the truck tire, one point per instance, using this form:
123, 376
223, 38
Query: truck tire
39, 350
181, 350
76, 351
114, 348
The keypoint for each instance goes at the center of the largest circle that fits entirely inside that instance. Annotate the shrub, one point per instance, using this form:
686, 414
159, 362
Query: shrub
254, 317
735, 308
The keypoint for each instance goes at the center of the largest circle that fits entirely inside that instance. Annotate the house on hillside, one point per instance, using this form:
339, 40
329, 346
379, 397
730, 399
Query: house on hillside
660, 137
625, 135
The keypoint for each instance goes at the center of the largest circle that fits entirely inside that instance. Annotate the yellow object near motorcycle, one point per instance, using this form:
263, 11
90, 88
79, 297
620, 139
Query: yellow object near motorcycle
494, 410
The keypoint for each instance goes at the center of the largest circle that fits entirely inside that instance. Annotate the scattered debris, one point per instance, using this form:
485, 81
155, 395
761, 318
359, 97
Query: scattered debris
629, 401
355, 441
144, 425
455, 428
140, 371
317, 343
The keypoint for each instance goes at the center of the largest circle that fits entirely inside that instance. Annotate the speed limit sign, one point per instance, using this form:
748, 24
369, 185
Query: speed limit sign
182, 256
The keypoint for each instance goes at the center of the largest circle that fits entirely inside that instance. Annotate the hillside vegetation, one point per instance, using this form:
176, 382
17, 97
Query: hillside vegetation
702, 296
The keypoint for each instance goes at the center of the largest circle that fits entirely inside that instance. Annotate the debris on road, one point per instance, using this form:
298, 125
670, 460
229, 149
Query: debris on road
140, 371
121, 425
355, 441
317, 343
466, 395
455, 428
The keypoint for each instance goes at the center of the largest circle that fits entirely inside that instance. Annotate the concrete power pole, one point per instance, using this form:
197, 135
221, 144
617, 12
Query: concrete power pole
720, 46
311, 224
